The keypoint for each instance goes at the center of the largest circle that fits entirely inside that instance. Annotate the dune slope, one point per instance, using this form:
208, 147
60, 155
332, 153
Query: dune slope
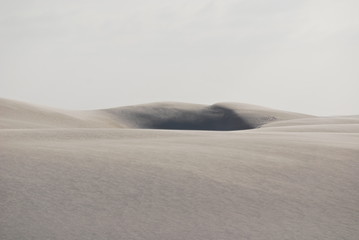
288, 179
16, 115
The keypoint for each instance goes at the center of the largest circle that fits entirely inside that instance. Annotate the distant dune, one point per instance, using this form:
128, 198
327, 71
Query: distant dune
150, 172
221, 116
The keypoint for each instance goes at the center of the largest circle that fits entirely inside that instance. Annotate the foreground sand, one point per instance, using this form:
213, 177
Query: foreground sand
289, 179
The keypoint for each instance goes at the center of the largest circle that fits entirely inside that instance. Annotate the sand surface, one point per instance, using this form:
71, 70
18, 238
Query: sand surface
125, 173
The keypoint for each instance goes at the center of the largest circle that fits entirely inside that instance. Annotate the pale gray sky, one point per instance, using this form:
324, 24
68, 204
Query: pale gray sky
297, 55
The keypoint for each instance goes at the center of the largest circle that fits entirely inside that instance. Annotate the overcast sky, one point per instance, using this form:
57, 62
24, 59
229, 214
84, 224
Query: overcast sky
297, 55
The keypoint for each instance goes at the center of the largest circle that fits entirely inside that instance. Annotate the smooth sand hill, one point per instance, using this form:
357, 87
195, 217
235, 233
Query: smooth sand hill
289, 179
17, 115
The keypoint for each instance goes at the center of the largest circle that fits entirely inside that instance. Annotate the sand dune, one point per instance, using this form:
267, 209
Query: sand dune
100, 175
221, 116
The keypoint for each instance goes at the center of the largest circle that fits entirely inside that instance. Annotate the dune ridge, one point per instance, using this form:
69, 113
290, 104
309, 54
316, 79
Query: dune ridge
162, 115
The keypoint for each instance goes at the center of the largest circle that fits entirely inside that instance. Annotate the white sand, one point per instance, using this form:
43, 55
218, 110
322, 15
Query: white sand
79, 175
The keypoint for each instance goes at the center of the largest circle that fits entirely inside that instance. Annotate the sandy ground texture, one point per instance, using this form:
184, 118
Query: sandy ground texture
126, 173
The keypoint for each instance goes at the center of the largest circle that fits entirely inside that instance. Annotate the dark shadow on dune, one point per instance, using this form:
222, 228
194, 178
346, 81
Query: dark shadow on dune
211, 118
